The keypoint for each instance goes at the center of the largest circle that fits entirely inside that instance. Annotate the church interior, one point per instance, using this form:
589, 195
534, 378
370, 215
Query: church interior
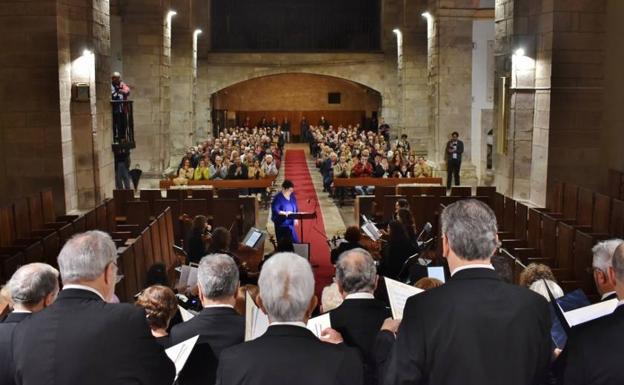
162, 121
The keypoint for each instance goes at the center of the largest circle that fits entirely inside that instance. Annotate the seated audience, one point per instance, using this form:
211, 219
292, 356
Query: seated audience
475, 329
202, 171
422, 169
160, 304
218, 325
32, 288
601, 262
218, 170
594, 352
289, 353
352, 238
268, 166
101, 343
185, 173
427, 283
237, 170
360, 316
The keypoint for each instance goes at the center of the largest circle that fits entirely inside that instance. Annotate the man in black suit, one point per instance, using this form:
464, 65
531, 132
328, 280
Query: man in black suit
595, 351
288, 353
32, 288
475, 329
237, 169
360, 316
218, 325
82, 339
601, 263
454, 151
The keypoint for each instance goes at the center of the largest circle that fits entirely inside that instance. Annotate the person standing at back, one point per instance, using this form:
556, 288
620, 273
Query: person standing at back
474, 329
82, 339
454, 151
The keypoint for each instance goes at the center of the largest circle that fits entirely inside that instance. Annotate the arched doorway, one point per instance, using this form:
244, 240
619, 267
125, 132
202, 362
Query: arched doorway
293, 96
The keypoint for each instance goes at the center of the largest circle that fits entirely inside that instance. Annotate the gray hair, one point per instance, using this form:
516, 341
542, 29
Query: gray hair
355, 271
286, 287
217, 276
539, 287
85, 256
618, 262
603, 253
470, 227
31, 283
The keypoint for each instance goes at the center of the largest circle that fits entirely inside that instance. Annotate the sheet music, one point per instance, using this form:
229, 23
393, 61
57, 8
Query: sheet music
398, 293
180, 353
188, 277
317, 324
256, 322
371, 231
192, 279
186, 315
591, 312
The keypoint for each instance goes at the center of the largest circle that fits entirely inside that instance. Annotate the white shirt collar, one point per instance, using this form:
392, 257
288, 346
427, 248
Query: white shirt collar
21, 311
298, 323
219, 305
473, 266
360, 296
83, 287
605, 295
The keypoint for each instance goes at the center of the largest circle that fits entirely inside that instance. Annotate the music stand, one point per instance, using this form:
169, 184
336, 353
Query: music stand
303, 215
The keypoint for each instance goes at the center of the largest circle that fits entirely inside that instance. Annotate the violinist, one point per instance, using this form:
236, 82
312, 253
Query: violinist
197, 241
404, 216
352, 238
396, 251
220, 244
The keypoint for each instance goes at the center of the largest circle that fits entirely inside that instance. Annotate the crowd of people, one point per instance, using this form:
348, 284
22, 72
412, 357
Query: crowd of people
474, 329
236, 153
345, 152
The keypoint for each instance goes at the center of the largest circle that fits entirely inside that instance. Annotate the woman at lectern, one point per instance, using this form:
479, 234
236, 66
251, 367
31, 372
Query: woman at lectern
283, 206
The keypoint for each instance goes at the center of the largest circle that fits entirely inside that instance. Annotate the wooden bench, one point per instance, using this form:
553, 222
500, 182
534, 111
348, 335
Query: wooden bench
220, 184
369, 181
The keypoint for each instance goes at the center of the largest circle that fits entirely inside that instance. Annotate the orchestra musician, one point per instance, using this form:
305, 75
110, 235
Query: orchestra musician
197, 242
396, 251
284, 204
352, 237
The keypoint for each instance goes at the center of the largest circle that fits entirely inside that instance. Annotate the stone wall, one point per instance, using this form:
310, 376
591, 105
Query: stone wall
611, 138
296, 92
30, 134
147, 61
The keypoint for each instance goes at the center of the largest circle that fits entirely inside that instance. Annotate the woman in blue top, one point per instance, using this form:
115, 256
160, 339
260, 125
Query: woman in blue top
284, 204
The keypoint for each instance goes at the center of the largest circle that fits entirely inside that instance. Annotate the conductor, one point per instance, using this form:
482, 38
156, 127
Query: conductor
284, 204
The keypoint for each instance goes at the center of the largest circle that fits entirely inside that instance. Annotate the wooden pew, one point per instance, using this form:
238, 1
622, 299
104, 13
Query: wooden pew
370, 181
177, 194
122, 197
486, 191
222, 184
194, 207
138, 213
616, 227
461, 191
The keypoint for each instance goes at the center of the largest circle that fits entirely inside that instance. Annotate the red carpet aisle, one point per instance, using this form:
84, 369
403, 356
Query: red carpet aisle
313, 229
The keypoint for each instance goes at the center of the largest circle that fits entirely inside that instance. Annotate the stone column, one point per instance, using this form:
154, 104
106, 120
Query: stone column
147, 62
182, 80
450, 79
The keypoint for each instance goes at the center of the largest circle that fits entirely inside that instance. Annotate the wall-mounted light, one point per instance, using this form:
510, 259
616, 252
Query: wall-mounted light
197, 32
519, 52
170, 14
87, 52
426, 15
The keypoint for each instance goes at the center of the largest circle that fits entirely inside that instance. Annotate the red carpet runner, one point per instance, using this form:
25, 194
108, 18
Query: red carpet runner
313, 229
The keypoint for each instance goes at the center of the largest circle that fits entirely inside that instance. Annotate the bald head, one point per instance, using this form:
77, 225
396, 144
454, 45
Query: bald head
356, 272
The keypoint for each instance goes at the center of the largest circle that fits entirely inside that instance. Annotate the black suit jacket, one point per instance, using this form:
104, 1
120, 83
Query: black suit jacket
475, 329
459, 150
359, 321
609, 297
594, 354
218, 328
81, 339
6, 332
289, 355
344, 246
